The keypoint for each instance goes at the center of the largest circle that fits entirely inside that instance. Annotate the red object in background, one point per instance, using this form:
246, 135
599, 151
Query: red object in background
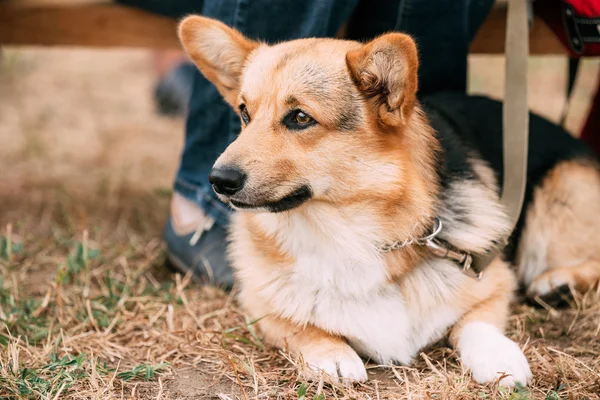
575, 22
577, 25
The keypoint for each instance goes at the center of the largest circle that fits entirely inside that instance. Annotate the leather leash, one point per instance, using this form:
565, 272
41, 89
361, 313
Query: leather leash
515, 123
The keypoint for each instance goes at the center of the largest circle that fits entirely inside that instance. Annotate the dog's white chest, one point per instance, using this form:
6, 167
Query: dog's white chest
342, 287
346, 299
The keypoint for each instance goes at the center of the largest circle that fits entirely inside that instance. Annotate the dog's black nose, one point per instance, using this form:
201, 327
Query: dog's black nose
227, 181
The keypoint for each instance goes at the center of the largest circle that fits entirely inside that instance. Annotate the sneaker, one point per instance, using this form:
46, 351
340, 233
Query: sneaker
202, 252
172, 93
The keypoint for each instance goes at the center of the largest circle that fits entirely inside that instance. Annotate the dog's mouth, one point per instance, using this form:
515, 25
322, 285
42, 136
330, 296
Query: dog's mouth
291, 201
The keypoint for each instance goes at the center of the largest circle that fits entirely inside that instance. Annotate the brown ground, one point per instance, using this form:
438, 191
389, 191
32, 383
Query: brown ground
85, 172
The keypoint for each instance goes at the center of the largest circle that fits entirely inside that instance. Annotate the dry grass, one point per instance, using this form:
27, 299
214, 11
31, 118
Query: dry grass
94, 314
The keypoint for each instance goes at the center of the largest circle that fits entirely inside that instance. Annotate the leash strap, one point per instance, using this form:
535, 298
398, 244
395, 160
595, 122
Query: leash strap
573, 69
515, 123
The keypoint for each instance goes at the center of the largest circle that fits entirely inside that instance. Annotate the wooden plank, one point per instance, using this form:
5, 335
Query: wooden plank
491, 37
84, 23
46, 3
101, 23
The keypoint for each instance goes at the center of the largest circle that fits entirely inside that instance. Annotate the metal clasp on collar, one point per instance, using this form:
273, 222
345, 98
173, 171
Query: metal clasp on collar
439, 250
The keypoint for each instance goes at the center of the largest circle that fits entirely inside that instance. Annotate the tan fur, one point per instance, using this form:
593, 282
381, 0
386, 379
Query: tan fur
560, 244
267, 244
299, 340
487, 299
386, 71
219, 52
484, 173
581, 277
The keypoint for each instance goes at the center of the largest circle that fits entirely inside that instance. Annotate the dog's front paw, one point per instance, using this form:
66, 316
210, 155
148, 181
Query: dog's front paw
489, 355
342, 364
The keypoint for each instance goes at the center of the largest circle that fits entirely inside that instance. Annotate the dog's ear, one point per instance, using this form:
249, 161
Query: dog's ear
218, 51
385, 71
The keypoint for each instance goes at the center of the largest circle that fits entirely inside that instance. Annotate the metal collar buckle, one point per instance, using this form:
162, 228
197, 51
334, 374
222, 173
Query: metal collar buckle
438, 249
465, 259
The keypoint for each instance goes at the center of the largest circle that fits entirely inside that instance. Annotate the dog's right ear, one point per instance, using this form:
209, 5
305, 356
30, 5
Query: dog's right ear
218, 51
385, 71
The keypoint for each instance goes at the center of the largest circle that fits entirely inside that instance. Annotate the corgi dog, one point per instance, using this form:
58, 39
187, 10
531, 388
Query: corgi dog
340, 175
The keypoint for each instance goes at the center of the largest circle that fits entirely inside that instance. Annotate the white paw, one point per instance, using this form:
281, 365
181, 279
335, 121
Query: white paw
341, 364
489, 355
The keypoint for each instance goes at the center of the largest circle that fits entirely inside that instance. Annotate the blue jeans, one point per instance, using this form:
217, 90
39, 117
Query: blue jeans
443, 30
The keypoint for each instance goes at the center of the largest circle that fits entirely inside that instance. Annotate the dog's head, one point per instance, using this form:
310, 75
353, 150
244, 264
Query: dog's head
322, 119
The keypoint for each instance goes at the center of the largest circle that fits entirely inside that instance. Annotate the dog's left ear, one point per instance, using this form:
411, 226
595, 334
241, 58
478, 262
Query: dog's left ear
218, 51
385, 71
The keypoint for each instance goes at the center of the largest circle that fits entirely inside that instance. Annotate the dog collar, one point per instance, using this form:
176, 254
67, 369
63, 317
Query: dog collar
438, 248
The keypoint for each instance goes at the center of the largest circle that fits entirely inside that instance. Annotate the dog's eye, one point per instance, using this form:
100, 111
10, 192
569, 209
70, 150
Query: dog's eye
297, 120
245, 114
302, 118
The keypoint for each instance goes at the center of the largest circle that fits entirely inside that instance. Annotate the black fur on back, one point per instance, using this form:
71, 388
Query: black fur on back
471, 126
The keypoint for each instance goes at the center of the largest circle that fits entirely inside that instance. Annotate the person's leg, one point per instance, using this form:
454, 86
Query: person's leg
173, 89
196, 232
443, 30
174, 72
